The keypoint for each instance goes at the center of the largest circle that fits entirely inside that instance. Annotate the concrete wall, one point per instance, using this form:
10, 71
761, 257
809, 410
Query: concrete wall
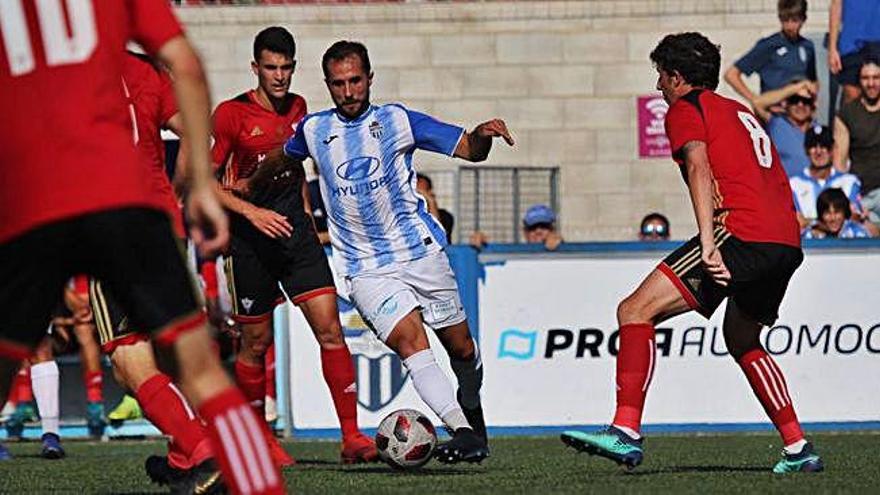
564, 75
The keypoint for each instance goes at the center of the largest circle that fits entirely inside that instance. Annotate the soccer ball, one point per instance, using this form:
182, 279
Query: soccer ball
406, 439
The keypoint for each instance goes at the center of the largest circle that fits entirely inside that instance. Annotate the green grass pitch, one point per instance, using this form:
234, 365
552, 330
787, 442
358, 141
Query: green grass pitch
673, 464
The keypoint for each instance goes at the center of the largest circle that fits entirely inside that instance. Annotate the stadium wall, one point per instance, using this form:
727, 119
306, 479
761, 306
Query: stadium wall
545, 324
564, 75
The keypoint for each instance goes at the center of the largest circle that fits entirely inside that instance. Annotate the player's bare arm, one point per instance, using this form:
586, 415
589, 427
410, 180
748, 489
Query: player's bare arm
699, 179
475, 145
210, 230
271, 223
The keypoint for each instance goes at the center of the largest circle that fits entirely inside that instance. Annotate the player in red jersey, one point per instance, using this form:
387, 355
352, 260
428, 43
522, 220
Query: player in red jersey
75, 198
746, 251
274, 240
189, 462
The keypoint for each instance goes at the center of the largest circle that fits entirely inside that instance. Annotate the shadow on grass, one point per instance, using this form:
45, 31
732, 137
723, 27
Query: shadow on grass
699, 469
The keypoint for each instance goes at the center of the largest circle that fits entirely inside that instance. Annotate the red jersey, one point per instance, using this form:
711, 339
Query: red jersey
244, 131
66, 131
752, 196
151, 96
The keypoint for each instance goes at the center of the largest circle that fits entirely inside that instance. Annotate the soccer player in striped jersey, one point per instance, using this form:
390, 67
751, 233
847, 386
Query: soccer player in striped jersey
746, 251
273, 240
387, 248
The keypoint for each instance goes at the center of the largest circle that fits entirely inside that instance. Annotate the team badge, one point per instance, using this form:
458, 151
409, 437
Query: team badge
376, 130
256, 131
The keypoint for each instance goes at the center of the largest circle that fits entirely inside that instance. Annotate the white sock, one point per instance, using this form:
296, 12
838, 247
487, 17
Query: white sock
470, 378
795, 448
44, 379
434, 388
629, 431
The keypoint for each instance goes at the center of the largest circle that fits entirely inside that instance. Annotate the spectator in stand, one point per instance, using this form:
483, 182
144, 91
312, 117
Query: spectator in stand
834, 218
778, 59
847, 49
425, 187
857, 134
316, 204
797, 102
654, 227
819, 176
539, 226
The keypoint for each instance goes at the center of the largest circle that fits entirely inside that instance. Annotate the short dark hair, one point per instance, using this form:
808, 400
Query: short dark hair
276, 39
869, 60
833, 197
796, 8
650, 217
343, 49
692, 55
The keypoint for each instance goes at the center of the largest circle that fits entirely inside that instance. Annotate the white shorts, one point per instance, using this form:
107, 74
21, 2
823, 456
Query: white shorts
387, 294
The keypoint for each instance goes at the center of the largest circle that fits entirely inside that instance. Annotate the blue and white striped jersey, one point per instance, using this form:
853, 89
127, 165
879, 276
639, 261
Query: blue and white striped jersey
806, 190
374, 215
849, 230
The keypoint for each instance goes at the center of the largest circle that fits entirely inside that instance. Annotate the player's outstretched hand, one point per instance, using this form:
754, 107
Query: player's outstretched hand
271, 223
714, 265
494, 128
209, 227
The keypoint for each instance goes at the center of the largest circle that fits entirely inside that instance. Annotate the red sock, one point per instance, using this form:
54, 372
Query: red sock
635, 367
252, 382
239, 438
270, 371
94, 382
165, 407
338, 371
769, 385
24, 391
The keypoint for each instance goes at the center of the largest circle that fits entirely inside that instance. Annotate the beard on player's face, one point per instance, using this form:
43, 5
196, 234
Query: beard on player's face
353, 105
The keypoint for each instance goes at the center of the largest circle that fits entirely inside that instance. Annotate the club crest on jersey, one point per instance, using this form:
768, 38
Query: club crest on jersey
358, 168
256, 131
376, 129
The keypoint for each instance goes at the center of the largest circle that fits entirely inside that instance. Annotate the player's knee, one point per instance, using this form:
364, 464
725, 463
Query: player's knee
630, 310
329, 335
463, 349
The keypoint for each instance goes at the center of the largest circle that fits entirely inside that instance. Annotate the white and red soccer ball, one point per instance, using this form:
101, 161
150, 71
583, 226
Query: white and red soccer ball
406, 439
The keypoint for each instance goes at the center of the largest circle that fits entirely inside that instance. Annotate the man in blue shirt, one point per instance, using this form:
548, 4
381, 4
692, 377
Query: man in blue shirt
387, 248
778, 59
848, 48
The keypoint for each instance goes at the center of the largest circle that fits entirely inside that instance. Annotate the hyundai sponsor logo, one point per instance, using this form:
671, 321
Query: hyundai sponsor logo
358, 168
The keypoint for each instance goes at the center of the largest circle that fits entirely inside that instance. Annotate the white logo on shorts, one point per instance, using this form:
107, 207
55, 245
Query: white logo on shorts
389, 306
247, 303
442, 310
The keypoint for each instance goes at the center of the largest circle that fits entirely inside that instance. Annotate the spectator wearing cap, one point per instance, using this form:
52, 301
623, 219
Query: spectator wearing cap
834, 218
787, 128
819, 176
539, 226
654, 227
779, 58
857, 135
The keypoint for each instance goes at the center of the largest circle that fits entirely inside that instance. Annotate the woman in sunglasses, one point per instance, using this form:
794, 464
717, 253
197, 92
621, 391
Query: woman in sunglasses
791, 110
